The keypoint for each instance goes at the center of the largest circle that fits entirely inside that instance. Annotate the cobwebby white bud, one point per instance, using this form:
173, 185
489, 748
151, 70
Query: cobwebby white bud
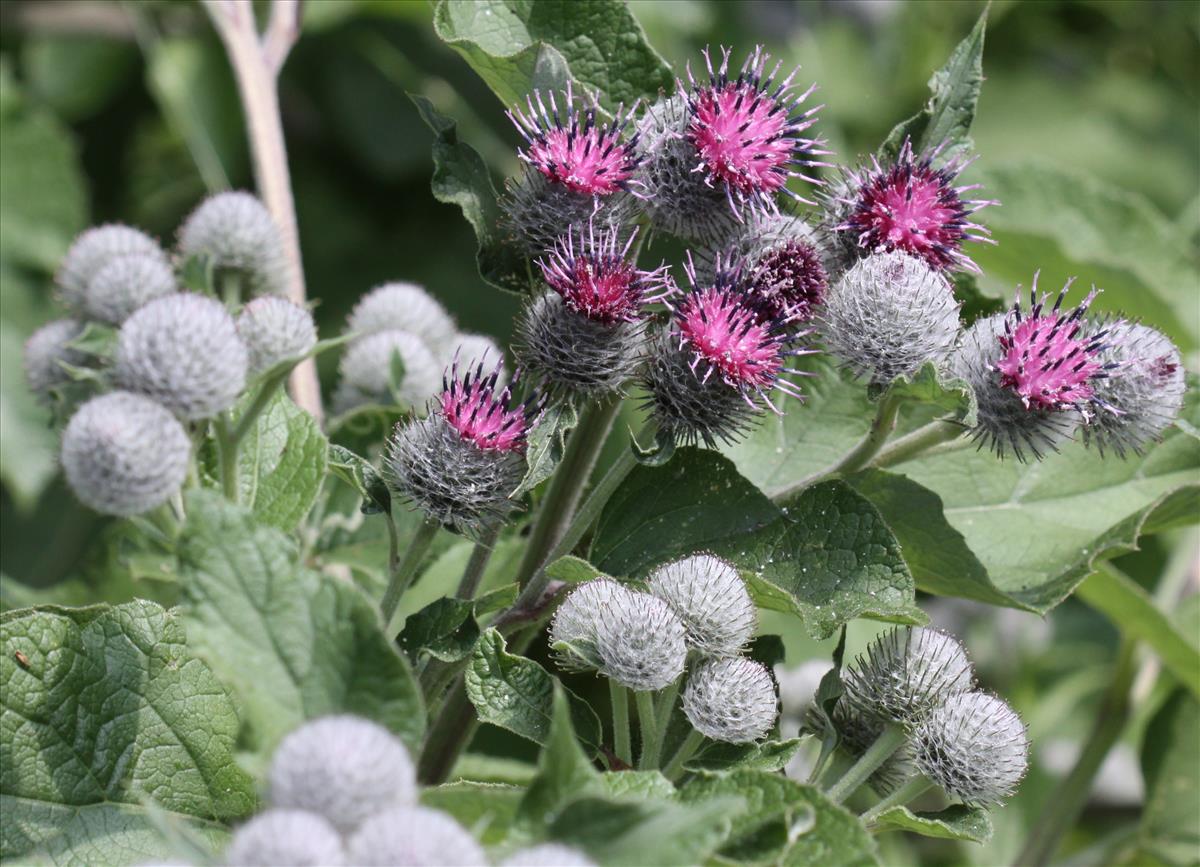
46, 351
731, 700
367, 367
548, 855
237, 234
123, 454
414, 837
344, 768
126, 283
184, 352
404, 307
641, 644
711, 599
92, 250
577, 621
285, 838
275, 330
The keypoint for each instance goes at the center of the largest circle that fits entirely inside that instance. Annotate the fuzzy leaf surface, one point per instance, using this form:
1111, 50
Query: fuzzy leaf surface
488, 809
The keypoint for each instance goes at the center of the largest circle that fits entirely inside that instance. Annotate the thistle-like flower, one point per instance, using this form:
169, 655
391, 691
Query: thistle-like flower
416, 837
344, 768
748, 132
641, 644
888, 315
403, 307
124, 284
731, 699
291, 837
387, 367
576, 623
974, 746
275, 330
92, 250
548, 855
46, 351
711, 599
911, 207
124, 455
237, 234
183, 351
461, 464
1143, 392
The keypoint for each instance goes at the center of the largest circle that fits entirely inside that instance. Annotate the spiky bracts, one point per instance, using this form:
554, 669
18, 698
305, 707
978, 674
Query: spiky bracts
484, 413
732, 699
641, 644
710, 597
595, 276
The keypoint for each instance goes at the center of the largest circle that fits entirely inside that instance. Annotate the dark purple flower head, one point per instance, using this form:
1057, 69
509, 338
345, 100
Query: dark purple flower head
570, 148
912, 207
789, 281
747, 132
483, 413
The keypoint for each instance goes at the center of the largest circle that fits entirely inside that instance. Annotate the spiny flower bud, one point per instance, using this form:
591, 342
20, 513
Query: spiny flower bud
461, 464
548, 855
910, 207
368, 368
92, 250
468, 350
126, 283
285, 837
975, 747
403, 307
275, 330
237, 234
747, 132
731, 699
858, 733
888, 315
641, 645
344, 768
576, 623
596, 278
414, 837
1143, 392
905, 674
46, 351
184, 352
711, 599
123, 454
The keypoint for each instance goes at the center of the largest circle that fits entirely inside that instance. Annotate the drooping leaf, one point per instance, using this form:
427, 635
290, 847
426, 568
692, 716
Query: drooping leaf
444, 629
281, 464
572, 570
547, 441
768, 756
363, 477
957, 822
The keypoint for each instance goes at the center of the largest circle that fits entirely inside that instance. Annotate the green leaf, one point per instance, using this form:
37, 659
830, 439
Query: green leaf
518, 694
28, 453
957, 822
360, 474
460, 177
281, 463
77, 74
601, 45
564, 771
547, 441
444, 629
102, 707
637, 785
954, 90
769, 756
488, 809
572, 570
293, 644
1170, 827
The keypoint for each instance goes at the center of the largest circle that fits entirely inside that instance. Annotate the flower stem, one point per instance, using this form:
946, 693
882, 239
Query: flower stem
620, 712
936, 433
468, 586
686, 750
646, 721
890, 739
664, 706
227, 456
402, 572
914, 787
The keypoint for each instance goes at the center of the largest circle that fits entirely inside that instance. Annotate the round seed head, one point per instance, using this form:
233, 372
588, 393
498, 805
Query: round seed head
46, 350
183, 351
710, 597
403, 307
975, 747
731, 699
125, 283
905, 673
469, 350
123, 454
577, 620
641, 645
275, 330
237, 234
368, 366
548, 855
888, 315
343, 768
92, 250
285, 837
413, 837
1142, 393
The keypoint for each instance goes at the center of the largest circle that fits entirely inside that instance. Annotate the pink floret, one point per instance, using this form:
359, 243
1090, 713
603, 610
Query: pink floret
726, 333
481, 414
593, 274
740, 136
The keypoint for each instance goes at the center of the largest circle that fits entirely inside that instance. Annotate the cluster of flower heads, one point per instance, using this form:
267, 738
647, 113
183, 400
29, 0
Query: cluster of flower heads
342, 790
179, 357
695, 616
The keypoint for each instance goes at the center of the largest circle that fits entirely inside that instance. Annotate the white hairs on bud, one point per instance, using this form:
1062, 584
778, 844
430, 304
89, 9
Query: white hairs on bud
548, 855
123, 454
126, 283
275, 330
641, 644
539, 212
710, 597
731, 699
46, 351
366, 371
236, 232
344, 768
285, 838
403, 307
92, 250
413, 837
577, 621
183, 351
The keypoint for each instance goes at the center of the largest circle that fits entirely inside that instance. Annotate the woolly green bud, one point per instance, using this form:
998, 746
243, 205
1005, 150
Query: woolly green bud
237, 234
548, 855
641, 645
731, 700
403, 307
711, 599
92, 250
285, 838
184, 351
126, 283
577, 621
413, 837
368, 365
46, 351
275, 330
123, 454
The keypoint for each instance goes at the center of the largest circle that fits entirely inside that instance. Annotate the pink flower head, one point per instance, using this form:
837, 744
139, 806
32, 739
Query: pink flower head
914, 208
596, 279
789, 281
572, 149
482, 414
1049, 360
747, 132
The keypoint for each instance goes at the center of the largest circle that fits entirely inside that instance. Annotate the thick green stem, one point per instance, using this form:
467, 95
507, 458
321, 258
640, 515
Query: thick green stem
889, 740
664, 706
620, 713
266, 391
468, 586
914, 787
648, 760
402, 572
227, 456
686, 750
1067, 801
229, 287
923, 439
448, 734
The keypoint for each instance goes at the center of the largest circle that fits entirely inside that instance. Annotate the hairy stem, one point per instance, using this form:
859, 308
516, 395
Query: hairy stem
402, 572
889, 740
227, 456
940, 432
448, 734
914, 787
648, 760
686, 750
620, 712
468, 585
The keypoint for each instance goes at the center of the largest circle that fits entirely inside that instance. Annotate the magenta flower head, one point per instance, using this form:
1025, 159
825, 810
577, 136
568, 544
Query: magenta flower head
909, 206
460, 464
748, 132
